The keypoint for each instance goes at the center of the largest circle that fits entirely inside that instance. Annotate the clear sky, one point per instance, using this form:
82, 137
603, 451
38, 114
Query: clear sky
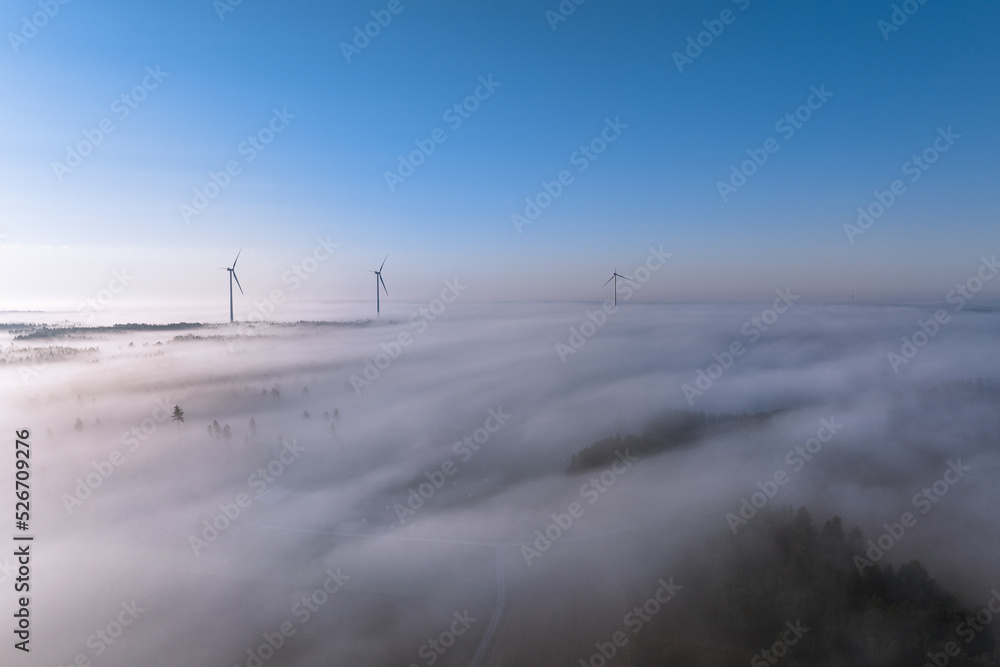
345, 118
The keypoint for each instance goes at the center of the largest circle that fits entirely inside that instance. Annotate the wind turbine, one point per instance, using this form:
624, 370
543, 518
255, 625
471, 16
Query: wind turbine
615, 276
378, 279
232, 276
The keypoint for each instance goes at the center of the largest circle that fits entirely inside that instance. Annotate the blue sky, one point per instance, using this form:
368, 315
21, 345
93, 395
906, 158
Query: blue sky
324, 174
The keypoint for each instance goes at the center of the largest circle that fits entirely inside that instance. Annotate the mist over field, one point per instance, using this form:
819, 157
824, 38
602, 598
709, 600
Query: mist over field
683, 349
396, 524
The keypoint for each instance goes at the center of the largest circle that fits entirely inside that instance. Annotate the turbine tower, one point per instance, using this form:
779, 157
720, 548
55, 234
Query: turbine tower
378, 279
232, 276
615, 276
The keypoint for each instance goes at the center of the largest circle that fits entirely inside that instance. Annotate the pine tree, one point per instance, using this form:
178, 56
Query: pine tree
178, 416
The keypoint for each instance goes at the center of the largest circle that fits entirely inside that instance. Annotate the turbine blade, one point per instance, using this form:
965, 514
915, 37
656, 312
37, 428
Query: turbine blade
383, 263
237, 258
625, 277
609, 280
384, 288
238, 282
